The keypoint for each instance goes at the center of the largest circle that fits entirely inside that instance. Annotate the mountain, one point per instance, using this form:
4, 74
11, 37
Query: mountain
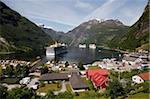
137, 36
57, 36
95, 31
19, 34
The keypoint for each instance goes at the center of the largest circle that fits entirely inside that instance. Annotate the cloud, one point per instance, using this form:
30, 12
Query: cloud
105, 10
83, 5
70, 13
125, 10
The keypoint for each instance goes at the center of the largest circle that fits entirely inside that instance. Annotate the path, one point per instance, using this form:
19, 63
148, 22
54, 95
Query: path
63, 89
11, 86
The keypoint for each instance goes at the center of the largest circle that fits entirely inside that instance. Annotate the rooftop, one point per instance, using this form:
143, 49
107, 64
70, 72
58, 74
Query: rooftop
145, 76
77, 83
54, 76
99, 71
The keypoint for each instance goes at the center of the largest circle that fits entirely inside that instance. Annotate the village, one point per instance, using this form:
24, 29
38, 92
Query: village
62, 76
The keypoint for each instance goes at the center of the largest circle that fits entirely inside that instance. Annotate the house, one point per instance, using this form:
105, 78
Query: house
54, 77
140, 78
35, 71
99, 77
25, 80
129, 60
77, 83
91, 72
74, 78
144, 66
34, 83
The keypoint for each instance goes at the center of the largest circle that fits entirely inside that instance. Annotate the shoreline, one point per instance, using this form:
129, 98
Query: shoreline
113, 49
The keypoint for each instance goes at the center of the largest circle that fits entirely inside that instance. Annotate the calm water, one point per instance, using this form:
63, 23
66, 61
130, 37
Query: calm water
85, 56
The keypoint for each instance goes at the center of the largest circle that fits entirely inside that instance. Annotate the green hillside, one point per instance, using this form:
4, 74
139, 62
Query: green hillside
19, 34
137, 36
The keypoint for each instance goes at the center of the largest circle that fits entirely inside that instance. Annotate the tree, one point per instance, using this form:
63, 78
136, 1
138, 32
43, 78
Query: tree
80, 66
18, 70
65, 95
44, 70
21, 71
128, 88
42, 84
25, 70
19, 93
66, 64
145, 86
3, 92
1, 72
9, 70
50, 95
115, 89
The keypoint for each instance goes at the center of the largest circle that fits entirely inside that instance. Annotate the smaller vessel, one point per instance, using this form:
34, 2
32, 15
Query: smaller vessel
99, 50
82, 45
92, 46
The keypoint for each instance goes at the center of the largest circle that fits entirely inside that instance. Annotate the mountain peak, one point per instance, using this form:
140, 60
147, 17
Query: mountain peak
112, 22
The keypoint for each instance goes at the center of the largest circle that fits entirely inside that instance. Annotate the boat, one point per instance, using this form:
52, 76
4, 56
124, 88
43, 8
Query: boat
82, 45
56, 49
92, 46
99, 50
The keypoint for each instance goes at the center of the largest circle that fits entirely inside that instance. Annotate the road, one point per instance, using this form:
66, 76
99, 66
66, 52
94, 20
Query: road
11, 86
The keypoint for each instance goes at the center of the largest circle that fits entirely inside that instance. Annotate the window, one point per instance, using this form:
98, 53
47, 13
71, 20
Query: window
134, 78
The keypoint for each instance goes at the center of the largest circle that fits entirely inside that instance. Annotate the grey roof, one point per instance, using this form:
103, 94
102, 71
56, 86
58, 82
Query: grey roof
54, 76
77, 83
129, 58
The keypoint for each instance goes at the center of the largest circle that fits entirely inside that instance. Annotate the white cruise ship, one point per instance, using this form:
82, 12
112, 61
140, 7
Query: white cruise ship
82, 45
56, 49
92, 46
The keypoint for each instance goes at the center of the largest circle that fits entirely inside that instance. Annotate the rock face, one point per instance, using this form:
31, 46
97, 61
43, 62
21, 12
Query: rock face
20, 34
95, 31
137, 35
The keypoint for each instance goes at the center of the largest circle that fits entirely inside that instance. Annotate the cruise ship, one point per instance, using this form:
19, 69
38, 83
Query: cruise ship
56, 49
92, 46
82, 45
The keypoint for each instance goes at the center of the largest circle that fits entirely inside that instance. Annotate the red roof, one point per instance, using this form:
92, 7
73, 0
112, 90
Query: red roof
145, 76
99, 71
99, 77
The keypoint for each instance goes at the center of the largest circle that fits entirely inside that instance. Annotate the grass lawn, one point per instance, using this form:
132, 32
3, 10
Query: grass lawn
47, 87
10, 80
139, 96
94, 67
68, 87
87, 95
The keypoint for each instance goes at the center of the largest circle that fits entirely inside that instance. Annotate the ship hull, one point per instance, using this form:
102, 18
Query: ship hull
56, 51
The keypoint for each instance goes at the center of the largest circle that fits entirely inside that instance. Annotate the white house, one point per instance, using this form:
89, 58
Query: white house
25, 80
140, 78
137, 79
143, 66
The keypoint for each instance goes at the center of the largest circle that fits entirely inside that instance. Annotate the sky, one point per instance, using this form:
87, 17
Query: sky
64, 15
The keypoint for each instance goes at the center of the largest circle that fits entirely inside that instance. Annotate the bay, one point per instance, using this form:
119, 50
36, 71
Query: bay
85, 55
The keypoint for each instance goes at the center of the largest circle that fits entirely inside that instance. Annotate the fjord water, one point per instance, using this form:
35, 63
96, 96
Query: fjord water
85, 55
